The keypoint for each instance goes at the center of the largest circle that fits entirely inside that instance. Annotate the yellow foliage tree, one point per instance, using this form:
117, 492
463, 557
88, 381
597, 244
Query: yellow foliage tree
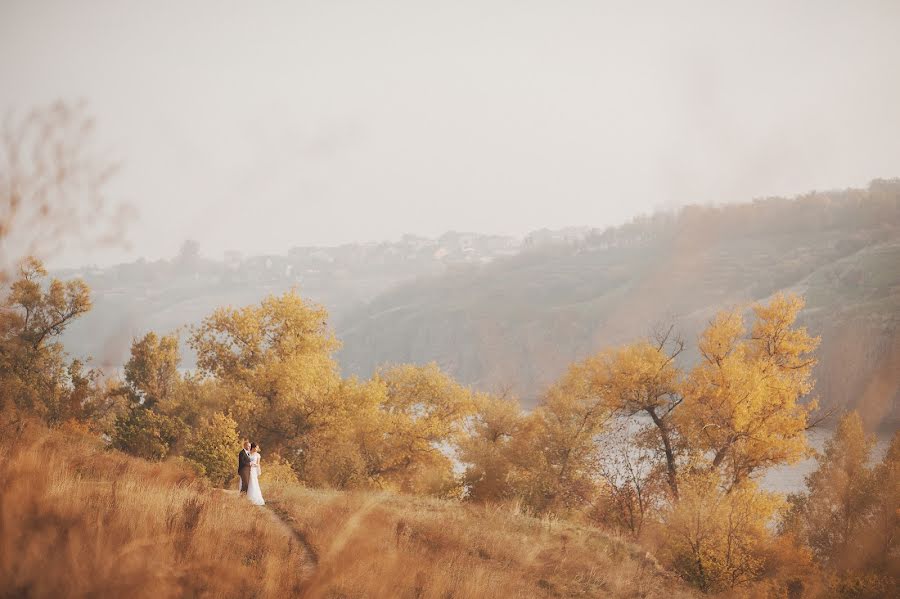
33, 370
152, 369
211, 448
884, 547
644, 380
849, 516
275, 363
146, 433
419, 420
716, 538
488, 448
555, 454
338, 455
715, 428
277, 470
742, 404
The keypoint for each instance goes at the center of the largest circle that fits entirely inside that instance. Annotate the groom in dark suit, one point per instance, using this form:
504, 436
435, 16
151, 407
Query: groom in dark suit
244, 466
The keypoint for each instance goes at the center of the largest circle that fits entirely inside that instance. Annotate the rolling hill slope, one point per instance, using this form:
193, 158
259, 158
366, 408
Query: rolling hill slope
79, 520
518, 322
498, 312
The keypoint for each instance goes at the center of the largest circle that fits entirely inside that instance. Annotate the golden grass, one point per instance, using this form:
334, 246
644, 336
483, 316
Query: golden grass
80, 521
387, 546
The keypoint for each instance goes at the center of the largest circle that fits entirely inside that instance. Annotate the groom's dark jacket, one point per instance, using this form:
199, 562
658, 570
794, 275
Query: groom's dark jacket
243, 460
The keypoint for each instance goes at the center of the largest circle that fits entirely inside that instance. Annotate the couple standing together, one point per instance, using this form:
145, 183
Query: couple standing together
248, 470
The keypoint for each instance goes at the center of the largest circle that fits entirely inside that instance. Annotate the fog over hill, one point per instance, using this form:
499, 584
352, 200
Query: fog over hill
501, 312
132, 298
518, 322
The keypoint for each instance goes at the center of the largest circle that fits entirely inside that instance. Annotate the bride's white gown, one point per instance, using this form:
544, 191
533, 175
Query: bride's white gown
254, 493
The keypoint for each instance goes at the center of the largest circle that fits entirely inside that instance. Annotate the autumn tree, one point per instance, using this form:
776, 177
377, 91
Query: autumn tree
343, 453
152, 370
37, 316
848, 516
840, 493
275, 363
146, 433
556, 457
622, 431
715, 537
488, 448
620, 427
642, 383
193, 398
738, 411
85, 398
52, 189
884, 546
211, 448
421, 416
393, 431
146, 427
742, 413
564, 437
634, 486
277, 470
742, 406
33, 368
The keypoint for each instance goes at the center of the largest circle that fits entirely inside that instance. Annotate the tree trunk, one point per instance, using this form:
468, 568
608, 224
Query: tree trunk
667, 446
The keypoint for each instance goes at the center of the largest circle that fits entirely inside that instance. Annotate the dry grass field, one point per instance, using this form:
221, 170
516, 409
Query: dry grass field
79, 520
387, 546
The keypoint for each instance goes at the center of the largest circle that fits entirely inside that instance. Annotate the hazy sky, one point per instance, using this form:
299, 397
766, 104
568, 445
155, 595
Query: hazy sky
257, 126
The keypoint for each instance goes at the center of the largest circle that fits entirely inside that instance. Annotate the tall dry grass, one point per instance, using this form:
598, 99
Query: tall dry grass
387, 546
77, 520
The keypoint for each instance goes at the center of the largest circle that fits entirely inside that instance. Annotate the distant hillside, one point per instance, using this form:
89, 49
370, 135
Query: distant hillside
500, 312
130, 299
519, 321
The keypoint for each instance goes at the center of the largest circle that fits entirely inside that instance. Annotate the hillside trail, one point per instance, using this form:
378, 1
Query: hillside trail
282, 521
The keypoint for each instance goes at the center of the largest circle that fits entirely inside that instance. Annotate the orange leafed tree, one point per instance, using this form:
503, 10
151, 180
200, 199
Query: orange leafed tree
742, 407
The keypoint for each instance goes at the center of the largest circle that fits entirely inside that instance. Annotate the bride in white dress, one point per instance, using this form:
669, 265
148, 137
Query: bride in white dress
254, 493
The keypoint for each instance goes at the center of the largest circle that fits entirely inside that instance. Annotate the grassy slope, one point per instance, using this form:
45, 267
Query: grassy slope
80, 521
387, 546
